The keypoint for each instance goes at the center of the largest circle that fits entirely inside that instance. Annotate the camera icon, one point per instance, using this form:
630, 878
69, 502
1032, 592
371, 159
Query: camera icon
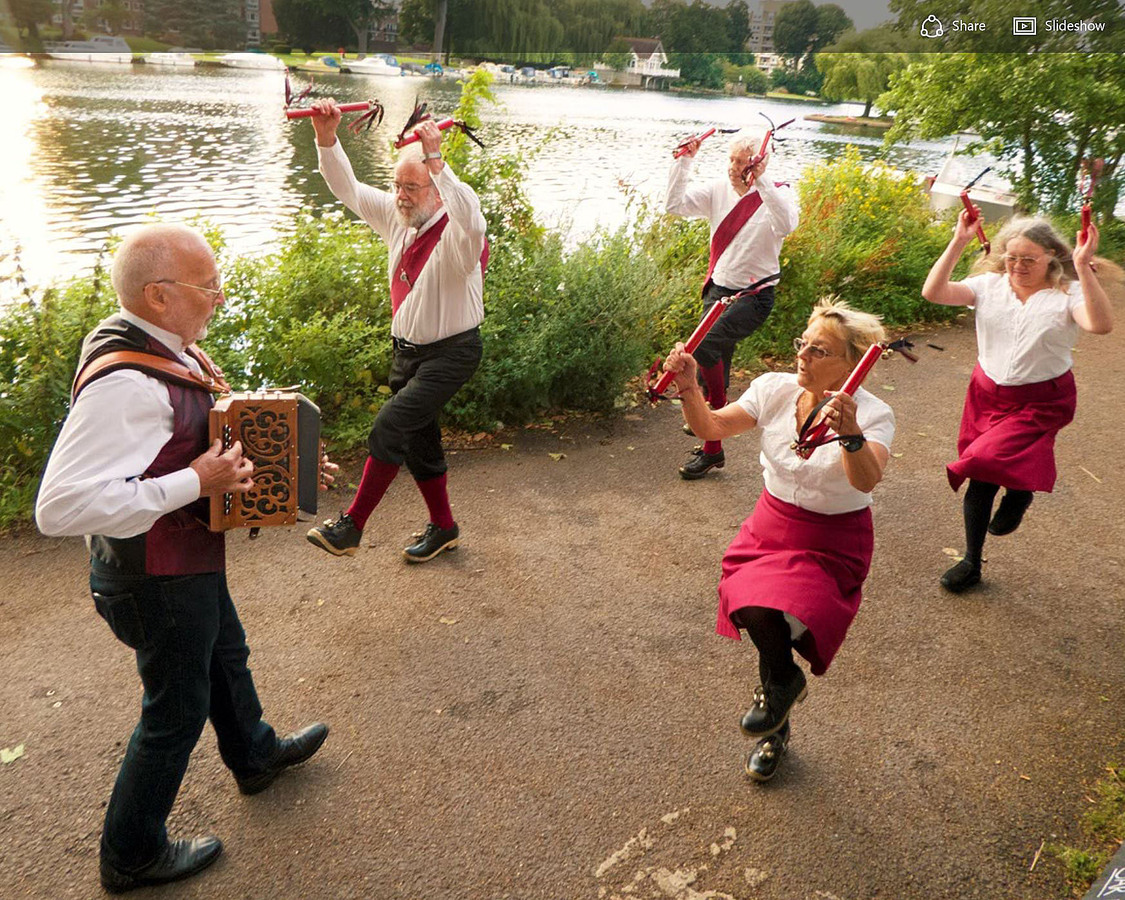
1025, 26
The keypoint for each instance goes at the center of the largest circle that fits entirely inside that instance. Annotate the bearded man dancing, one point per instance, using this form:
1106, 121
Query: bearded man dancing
750, 217
435, 232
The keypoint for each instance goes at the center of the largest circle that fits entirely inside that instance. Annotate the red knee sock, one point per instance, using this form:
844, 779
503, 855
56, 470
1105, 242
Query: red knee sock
437, 500
377, 477
713, 377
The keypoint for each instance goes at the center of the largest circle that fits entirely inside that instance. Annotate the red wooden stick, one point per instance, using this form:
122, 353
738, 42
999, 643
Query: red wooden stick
682, 149
413, 138
973, 217
1086, 214
810, 441
655, 392
749, 178
344, 108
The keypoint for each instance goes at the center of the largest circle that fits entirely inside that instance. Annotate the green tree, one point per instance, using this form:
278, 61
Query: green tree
307, 25
28, 14
1040, 114
860, 66
112, 12
801, 29
831, 22
738, 27
703, 69
794, 29
617, 55
210, 24
359, 14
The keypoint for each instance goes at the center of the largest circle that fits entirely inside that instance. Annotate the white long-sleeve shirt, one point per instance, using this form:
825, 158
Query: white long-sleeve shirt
447, 298
756, 249
114, 431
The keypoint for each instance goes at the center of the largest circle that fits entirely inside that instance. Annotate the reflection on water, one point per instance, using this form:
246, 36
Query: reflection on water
89, 150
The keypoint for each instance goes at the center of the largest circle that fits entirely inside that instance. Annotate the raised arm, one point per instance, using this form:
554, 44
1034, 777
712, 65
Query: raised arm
1095, 314
938, 288
779, 202
375, 207
467, 224
680, 199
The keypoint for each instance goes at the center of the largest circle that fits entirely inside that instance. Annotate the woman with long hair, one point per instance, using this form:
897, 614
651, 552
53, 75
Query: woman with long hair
1031, 298
792, 578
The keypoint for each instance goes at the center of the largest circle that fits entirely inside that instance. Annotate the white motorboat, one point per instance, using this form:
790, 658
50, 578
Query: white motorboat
170, 58
991, 193
252, 61
374, 65
100, 48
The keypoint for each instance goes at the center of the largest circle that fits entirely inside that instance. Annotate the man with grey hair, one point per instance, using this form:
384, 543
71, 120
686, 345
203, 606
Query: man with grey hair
132, 471
749, 217
435, 235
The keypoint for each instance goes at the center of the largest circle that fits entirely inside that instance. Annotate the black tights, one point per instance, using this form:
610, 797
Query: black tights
769, 631
979, 497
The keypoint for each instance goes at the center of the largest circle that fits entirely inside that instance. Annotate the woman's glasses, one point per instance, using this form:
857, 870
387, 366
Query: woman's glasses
1011, 260
815, 351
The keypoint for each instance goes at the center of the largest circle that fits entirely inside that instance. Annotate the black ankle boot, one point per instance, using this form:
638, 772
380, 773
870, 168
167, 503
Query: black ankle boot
961, 577
772, 706
763, 760
1010, 512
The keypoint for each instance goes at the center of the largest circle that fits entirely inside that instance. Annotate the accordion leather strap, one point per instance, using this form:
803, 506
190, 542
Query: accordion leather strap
158, 367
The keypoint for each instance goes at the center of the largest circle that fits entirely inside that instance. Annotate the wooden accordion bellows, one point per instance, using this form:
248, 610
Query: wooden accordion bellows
280, 434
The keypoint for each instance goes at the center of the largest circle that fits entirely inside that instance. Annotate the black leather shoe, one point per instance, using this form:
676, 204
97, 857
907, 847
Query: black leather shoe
178, 859
291, 751
772, 706
687, 430
340, 538
431, 542
763, 760
1010, 512
961, 577
701, 464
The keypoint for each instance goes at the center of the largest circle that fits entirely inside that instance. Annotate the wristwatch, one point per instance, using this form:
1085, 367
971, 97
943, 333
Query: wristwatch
853, 442
436, 155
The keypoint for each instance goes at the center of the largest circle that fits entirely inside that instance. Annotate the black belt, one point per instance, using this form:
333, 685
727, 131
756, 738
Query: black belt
406, 346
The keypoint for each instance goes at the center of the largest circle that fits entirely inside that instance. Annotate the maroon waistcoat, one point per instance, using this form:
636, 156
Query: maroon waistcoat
179, 542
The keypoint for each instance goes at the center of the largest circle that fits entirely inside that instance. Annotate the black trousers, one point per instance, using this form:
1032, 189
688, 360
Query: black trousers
739, 320
424, 377
191, 656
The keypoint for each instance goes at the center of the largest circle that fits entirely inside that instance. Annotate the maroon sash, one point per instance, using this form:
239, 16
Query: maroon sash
414, 260
732, 223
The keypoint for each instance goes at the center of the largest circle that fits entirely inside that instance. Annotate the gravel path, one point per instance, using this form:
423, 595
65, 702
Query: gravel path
547, 712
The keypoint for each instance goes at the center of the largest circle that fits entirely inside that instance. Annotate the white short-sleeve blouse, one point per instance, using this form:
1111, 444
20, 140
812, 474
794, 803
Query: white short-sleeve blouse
1023, 343
817, 483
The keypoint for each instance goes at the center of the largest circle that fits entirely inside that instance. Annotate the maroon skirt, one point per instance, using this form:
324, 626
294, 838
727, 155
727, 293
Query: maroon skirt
807, 564
1008, 432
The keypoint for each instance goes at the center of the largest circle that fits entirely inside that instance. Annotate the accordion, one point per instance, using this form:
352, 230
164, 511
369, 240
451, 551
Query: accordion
280, 435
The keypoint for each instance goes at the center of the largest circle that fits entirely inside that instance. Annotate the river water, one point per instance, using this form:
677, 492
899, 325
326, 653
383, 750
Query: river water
90, 149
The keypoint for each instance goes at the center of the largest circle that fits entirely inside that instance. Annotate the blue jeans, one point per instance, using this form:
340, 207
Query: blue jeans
191, 655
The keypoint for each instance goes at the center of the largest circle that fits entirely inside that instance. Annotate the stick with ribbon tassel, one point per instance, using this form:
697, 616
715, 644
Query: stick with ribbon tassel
816, 435
372, 109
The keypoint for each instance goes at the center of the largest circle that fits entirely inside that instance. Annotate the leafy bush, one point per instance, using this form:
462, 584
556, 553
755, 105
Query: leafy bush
756, 81
40, 336
804, 81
